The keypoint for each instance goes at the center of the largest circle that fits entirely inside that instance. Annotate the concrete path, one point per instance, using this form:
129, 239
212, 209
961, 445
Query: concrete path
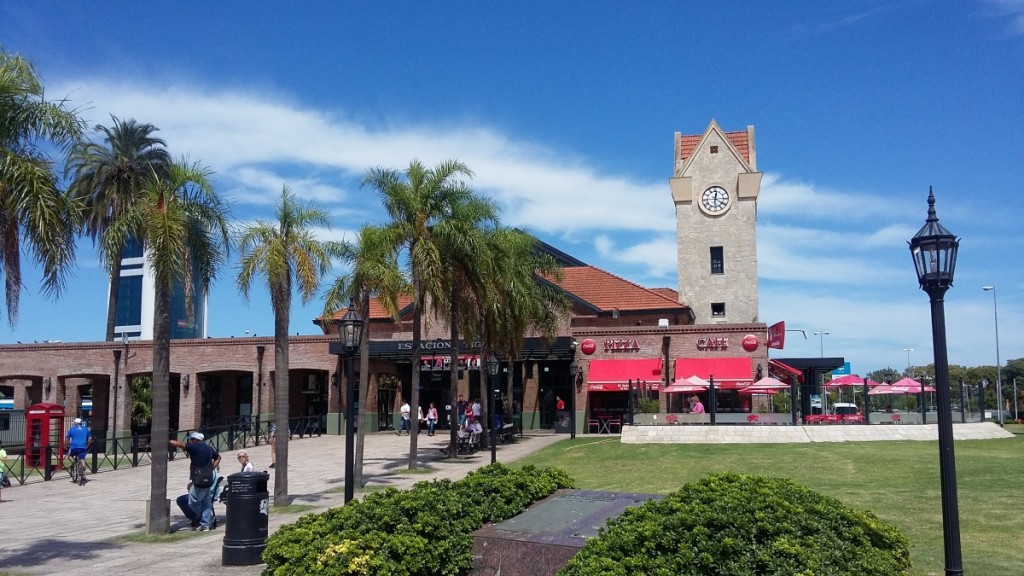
58, 527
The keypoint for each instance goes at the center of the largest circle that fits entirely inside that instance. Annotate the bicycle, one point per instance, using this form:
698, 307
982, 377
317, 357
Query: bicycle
77, 469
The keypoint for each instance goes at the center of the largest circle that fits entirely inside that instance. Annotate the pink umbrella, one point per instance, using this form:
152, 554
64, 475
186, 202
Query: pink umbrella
849, 380
683, 388
769, 382
750, 390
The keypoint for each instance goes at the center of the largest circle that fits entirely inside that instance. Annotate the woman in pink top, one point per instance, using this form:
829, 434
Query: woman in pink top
695, 406
431, 419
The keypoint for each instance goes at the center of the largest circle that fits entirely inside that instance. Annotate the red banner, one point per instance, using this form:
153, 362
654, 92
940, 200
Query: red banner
777, 335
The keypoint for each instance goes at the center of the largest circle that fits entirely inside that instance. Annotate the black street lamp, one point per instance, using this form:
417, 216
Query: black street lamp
493, 364
350, 330
934, 249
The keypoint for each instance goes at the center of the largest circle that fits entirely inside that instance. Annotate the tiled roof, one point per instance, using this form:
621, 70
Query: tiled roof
376, 310
669, 293
738, 139
607, 291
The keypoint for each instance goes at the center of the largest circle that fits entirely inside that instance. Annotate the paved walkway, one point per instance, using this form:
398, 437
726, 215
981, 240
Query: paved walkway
58, 527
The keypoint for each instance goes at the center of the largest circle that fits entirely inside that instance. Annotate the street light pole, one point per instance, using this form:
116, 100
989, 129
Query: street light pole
117, 384
999, 367
821, 341
350, 330
933, 250
493, 365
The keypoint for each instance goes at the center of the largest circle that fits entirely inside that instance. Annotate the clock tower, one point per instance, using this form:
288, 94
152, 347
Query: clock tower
714, 185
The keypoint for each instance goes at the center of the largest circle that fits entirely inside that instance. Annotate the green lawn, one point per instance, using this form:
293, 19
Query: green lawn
898, 481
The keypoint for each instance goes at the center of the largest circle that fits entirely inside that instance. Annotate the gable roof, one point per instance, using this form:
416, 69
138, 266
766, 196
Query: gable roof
740, 140
604, 291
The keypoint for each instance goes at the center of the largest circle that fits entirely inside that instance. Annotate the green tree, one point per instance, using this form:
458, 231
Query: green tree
463, 242
285, 252
373, 273
524, 296
106, 178
35, 216
418, 201
183, 226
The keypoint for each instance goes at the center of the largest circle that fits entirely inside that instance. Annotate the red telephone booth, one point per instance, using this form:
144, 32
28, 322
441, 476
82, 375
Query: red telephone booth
44, 426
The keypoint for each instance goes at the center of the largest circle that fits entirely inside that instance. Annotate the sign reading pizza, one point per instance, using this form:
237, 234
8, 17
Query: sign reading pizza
622, 345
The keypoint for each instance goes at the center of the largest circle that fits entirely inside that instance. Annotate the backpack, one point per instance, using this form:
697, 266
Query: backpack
202, 477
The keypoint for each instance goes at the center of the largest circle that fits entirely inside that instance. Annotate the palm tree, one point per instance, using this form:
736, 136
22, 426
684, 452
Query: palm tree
418, 201
182, 224
34, 214
106, 178
374, 273
463, 240
523, 298
283, 252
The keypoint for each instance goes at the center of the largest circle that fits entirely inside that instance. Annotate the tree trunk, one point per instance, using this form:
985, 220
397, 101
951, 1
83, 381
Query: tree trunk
115, 287
417, 329
454, 376
364, 388
281, 304
159, 521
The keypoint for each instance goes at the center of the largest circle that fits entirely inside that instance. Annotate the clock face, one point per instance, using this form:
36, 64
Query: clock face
715, 199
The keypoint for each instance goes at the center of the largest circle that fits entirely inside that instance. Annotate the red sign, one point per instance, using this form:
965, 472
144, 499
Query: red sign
717, 343
777, 335
588, 346
621, 344
750, 342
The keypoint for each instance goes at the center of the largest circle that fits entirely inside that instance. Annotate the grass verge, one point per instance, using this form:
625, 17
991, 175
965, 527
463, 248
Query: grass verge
898, 481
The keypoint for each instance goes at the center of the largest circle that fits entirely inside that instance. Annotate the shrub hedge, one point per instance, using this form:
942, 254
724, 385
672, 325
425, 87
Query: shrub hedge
731, 525
427, 530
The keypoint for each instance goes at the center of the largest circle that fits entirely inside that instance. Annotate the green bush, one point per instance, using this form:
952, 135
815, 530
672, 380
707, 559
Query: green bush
426, 530
649, 406
731, 525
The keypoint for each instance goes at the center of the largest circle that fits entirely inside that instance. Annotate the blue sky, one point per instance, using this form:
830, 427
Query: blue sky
566, 113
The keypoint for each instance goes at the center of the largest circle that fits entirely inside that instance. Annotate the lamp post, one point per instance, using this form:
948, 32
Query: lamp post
117, 384
999, 367
350, 330
934, 250
821, 341
260, 351
493, 364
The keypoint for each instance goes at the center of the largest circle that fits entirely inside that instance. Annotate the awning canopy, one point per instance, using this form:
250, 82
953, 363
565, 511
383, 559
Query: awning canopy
728, 373
783, 371
614, 375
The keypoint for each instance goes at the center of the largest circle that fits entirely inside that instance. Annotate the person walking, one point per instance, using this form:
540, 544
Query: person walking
197, 504
460, 409
431, 419
406, 411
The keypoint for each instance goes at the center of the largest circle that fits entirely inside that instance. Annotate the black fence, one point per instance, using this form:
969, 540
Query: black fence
108, 454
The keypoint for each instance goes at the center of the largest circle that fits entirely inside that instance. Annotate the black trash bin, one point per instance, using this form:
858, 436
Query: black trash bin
245, 535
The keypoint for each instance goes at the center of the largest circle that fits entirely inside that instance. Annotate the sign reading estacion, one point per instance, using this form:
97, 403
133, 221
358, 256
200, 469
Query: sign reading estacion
715, 343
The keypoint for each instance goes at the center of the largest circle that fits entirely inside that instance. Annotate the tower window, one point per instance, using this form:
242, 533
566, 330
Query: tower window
714, 149
717, 260
718, 309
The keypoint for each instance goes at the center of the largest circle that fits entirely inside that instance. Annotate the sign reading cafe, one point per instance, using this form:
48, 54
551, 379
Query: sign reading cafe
716, 343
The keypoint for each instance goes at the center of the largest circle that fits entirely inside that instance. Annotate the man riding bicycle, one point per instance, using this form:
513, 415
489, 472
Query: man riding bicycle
78, 439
